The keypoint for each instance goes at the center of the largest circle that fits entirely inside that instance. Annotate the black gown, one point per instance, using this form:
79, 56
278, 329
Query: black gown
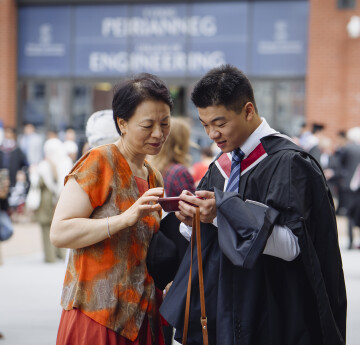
253, 298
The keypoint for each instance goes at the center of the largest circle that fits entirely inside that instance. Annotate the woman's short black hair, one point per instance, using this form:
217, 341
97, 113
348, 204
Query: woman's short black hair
129, 93
225, 85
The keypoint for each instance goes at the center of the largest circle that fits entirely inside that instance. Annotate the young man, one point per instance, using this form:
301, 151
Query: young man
272, 266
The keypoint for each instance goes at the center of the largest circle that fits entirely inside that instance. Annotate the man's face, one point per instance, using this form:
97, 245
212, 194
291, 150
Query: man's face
226, 128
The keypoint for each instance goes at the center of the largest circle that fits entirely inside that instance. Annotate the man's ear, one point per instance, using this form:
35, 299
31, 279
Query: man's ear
249, 111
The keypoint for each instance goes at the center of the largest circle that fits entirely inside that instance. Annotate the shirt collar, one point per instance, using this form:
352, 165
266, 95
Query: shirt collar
254, 139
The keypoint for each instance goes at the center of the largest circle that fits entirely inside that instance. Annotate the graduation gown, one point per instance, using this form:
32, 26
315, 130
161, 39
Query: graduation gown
253, 298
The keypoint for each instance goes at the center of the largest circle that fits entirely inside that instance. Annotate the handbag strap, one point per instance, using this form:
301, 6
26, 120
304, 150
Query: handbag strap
203, 318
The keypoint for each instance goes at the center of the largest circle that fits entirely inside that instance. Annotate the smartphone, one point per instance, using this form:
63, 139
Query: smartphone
171, 204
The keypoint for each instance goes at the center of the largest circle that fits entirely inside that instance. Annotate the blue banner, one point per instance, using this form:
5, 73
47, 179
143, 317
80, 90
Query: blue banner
171, 40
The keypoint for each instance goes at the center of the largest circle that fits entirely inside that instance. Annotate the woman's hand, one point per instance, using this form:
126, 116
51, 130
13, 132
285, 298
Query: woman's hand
190, 202
146, 204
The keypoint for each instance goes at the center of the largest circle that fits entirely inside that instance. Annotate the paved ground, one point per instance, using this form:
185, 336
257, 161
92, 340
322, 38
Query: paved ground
30, 289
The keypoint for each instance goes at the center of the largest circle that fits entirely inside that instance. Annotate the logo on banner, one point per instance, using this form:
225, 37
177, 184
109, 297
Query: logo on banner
280, 43
45, 45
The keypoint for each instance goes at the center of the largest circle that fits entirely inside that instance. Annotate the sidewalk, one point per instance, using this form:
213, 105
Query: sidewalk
30, 289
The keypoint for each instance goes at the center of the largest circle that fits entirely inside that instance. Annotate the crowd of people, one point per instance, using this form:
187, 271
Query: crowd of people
36, 167
340, 161
272, 264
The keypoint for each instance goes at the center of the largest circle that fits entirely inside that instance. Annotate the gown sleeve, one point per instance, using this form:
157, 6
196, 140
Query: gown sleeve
245, 227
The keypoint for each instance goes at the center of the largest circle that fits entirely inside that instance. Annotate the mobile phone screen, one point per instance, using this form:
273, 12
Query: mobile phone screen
170, 204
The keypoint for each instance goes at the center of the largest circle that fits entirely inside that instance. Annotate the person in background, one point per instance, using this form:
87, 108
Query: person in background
349, 162
199, 169
70, 134
48, 176
70, 142
107, 214
11, 156
100, 129
271, 259
340, 143
173, 162
17, 196
313, 142
304, 136
1, 132
31, 143
71, 149
4, 191
52, 133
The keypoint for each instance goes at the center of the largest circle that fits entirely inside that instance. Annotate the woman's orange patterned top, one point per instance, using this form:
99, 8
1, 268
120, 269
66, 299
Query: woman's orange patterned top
109, 281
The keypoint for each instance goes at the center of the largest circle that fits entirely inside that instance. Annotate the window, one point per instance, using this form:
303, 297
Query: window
281, 103
345, 4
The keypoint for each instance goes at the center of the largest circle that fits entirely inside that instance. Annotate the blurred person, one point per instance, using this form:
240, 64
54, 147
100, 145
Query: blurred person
11, 156
31, 143
313, 141
71, 149
173, 162
349, 161
174, 159
17, 196
48, 177
199, 169
329, 162
4, 191
100, 128
4, 205
107, 214
70, 134
271, 259
52, 133
1, 132
71, 145
305, 135
341, 142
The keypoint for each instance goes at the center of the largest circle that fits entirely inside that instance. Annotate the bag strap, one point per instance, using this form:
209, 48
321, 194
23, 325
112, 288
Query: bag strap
203, 318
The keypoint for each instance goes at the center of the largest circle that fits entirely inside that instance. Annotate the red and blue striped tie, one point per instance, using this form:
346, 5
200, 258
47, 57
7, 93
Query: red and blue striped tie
233, 183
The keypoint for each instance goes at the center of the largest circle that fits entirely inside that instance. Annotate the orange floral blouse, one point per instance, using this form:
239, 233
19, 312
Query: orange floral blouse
109, 281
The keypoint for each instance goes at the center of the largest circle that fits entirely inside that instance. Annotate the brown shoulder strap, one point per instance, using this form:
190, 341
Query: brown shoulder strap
203, 318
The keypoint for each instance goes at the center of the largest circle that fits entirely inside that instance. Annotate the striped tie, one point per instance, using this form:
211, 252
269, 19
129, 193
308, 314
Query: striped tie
233, 183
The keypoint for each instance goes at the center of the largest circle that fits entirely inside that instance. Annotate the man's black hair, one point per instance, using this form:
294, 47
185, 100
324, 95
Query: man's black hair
225, 85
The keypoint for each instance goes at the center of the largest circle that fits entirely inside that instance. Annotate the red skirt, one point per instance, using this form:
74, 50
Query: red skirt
76, 328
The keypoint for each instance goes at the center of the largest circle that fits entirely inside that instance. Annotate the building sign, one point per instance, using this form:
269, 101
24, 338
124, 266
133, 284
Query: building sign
280, 42
169, 40
44, 41
174, 40
100, 41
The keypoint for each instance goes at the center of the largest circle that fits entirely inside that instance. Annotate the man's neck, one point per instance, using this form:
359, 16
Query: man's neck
262, 130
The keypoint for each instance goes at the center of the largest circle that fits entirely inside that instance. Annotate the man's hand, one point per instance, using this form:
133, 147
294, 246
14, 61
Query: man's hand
188, 206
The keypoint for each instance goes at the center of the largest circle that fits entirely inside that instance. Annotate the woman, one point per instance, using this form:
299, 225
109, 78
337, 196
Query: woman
49, 177
107, 213
173, 162
174, 159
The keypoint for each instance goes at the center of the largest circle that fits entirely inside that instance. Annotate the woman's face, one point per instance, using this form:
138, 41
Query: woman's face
146, 131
